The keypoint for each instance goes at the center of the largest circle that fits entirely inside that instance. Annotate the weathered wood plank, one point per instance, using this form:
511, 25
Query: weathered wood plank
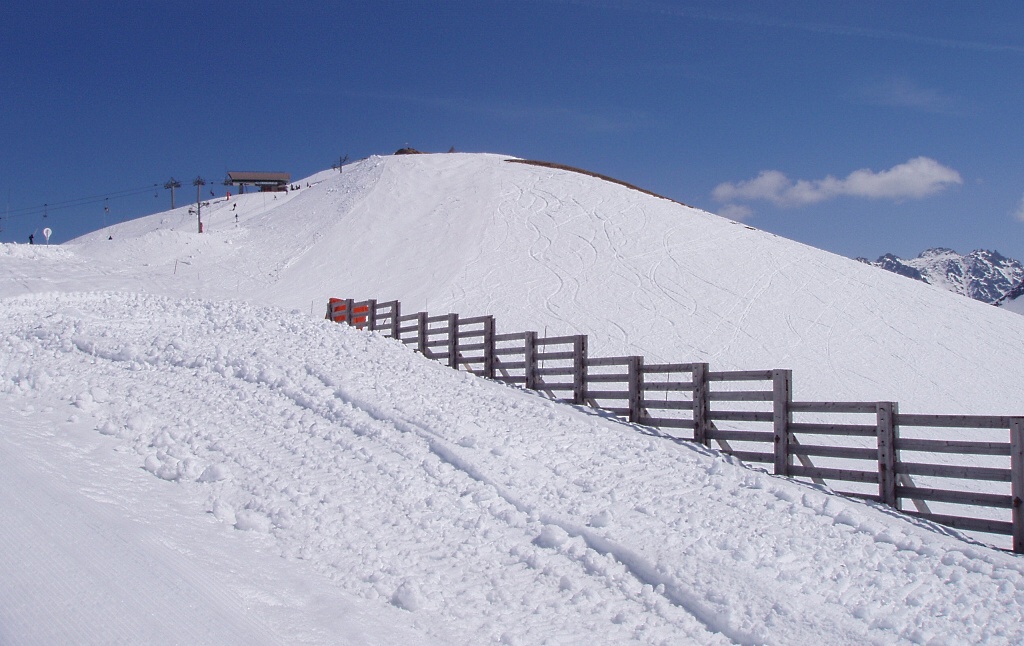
556, 340
636, 388
511, 379
701, 404
969, 524
846, 430
579, 364
555, 356
753, 456
662, 368
608, 394
371, 314
782, 389
742, 436
1017, 482
833, 407
740, 375
954, 471
848, 475
421, 332
489, 359
518, 364
741, 416
594, 362
849, 452
555, 372
473, 320
953, 421
509, 352
664, 422
954, 446
529, 353
741, 396
559, 386
513, 336
1003, 501
608, 379
396, 316
885, 420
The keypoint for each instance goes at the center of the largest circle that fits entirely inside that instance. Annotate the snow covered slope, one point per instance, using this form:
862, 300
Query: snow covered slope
219, 471
552, 250
257, 477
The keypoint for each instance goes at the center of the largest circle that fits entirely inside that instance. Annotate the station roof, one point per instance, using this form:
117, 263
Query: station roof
259, 178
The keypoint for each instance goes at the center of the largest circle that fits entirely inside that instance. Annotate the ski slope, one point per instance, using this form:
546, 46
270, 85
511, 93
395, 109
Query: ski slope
193, 455
567, 253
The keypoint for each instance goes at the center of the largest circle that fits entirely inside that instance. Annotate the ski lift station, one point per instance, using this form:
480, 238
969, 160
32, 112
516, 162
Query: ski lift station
267, 182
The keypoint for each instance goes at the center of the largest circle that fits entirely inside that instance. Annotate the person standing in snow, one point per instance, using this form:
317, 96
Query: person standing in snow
31, 238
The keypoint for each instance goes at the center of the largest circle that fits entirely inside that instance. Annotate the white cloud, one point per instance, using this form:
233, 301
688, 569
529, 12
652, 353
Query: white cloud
917, 178
1019, 213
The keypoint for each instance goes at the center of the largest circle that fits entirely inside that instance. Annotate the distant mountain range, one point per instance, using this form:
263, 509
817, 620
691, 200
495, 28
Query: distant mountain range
983, 275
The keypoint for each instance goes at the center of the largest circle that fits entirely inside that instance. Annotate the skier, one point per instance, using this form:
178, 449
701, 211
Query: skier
31, 238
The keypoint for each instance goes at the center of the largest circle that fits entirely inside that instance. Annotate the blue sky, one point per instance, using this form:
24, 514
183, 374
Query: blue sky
860, 127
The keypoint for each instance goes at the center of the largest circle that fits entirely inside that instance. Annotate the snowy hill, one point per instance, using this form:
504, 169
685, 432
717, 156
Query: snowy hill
983, 275
265, 476
552, 250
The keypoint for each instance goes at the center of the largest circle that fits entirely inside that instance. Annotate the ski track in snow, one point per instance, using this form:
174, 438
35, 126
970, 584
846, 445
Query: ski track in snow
384, 471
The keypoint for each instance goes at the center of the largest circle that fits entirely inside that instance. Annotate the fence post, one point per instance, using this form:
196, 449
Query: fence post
701, 403
371, 314
348, 310
1017, 480
530, 359
395, 313
453, 341
421, 331
579, 369
885, 429
636, 389
489, 347
782, 395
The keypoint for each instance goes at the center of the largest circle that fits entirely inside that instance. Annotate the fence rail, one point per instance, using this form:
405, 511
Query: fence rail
858, 446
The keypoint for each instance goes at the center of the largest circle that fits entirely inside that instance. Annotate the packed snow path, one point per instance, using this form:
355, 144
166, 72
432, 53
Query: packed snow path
476, 509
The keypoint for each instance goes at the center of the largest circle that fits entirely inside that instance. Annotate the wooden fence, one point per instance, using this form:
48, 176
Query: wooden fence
865, 449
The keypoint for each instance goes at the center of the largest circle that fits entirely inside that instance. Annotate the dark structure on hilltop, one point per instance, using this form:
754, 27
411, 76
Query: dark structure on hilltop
266, 182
